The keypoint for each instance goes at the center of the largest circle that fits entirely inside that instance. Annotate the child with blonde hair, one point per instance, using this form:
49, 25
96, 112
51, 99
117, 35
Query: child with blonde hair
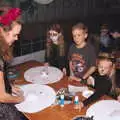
101, 79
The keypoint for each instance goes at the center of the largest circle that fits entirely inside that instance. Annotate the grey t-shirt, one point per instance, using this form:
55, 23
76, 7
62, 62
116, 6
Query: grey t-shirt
82, 59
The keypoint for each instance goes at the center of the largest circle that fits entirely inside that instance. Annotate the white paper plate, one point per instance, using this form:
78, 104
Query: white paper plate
87, 93
37, 98
105, 110
43, 75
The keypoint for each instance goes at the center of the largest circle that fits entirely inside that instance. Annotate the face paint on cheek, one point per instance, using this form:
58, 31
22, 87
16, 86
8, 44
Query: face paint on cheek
54, 39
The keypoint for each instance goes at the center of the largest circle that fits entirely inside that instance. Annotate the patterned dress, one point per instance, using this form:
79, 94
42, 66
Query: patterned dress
7, 110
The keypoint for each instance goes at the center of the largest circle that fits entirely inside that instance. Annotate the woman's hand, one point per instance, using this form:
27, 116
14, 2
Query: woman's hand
5, 97
19, 98
17, 91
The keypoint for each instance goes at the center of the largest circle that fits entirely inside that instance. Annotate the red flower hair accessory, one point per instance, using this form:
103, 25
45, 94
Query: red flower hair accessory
10, 16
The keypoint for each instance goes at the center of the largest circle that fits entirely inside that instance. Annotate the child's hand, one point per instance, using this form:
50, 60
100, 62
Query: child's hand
90, 81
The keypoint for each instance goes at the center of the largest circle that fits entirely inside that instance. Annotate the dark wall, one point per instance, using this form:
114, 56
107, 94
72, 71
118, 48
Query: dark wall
38, 17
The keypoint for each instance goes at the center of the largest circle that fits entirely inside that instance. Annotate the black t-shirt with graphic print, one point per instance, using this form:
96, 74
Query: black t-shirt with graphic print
82, 59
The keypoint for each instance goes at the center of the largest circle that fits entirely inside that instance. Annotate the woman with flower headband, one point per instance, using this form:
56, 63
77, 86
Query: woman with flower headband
10, 27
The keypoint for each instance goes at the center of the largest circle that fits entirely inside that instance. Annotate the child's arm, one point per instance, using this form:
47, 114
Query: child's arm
89, 72
70, 67
93, 97
101, 88
91, 81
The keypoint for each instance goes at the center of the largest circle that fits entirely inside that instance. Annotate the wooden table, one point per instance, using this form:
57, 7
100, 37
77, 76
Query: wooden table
52, 112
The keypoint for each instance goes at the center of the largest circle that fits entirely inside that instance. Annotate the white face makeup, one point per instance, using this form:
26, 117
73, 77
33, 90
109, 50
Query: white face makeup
54, 36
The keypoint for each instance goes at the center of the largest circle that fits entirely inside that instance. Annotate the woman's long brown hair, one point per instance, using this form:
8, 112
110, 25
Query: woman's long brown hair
5, 49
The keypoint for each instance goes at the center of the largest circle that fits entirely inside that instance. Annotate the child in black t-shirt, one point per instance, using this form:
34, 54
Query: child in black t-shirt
100, 80
81, 55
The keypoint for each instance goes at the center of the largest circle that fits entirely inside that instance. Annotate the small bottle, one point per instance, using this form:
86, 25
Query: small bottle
76, 102
62, 100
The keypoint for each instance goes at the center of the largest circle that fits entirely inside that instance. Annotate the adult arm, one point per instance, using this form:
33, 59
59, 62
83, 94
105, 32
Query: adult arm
6, 97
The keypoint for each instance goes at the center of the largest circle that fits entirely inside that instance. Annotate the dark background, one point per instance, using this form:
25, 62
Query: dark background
37, 18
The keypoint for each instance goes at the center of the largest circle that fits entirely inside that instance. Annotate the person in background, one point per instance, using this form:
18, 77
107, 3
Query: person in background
106, 40
82, 57
10, 27
101, 79
116, 36
55, 53
94, 40
116, 52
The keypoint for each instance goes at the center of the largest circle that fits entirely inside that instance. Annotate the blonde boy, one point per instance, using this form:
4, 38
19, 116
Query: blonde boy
82, 58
